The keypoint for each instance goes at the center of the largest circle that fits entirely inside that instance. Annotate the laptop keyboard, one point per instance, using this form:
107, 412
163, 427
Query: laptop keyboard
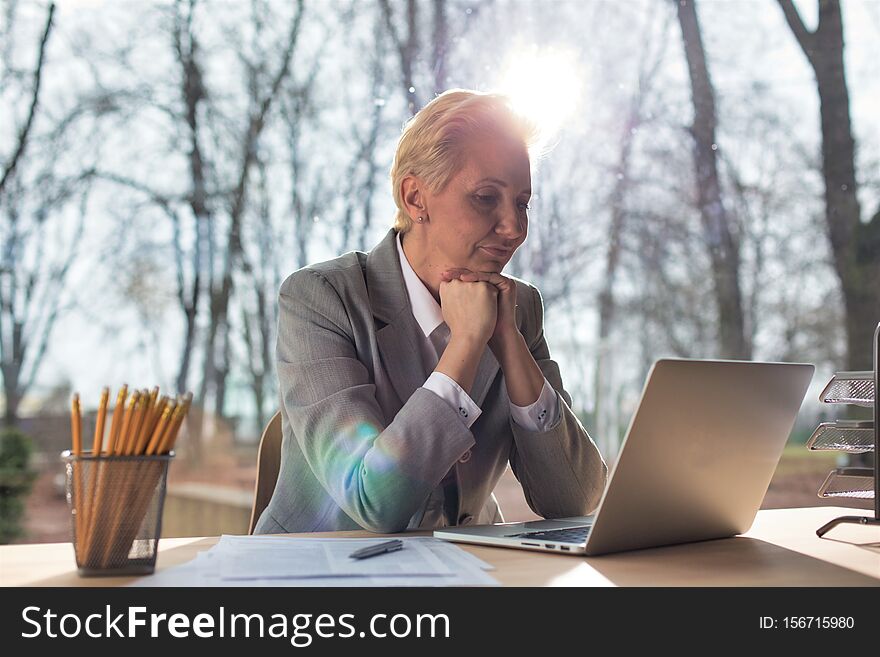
573, 535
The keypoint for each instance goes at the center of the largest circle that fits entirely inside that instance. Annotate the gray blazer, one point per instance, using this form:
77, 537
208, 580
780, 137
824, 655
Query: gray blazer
365, 446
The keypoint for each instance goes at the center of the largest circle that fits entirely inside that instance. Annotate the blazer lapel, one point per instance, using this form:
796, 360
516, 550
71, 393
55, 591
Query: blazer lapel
396, 327
400, 355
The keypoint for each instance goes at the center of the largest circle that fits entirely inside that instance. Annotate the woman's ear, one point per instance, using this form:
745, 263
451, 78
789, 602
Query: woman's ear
412, 193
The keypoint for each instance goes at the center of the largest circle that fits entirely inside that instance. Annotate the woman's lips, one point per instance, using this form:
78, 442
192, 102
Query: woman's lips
496, 252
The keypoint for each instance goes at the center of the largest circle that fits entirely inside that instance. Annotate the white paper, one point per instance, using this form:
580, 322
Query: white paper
285, 561
248, 557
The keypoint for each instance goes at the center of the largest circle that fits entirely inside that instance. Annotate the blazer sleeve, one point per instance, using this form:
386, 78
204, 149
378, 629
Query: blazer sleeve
379, 475
561, 470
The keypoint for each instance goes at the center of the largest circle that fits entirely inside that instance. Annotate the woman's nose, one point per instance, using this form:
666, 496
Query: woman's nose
511, 224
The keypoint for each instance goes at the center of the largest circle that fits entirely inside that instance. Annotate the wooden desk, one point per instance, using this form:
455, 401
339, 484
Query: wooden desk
781, 549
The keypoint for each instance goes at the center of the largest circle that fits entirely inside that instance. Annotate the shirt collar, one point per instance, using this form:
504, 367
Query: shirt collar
425, 308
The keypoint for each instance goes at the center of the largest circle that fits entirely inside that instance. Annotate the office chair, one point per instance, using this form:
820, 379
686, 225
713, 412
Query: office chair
268, 464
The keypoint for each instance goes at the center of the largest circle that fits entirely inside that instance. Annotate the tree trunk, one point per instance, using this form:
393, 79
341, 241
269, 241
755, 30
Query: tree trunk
217, 364
855, 246
722, 245
441, 45
407, 50
193, 95
604, 354
13, 334
222, 371
188, 344
12, 395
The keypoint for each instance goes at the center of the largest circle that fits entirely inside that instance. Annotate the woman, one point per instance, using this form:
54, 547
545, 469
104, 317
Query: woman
411, 375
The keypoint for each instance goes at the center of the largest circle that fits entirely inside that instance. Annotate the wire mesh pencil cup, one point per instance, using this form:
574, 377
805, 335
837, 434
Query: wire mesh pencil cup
116, 507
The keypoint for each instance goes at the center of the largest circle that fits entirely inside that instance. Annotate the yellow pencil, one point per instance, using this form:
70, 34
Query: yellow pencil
119, 448
90, 500
171, 437
159, 431
100, 501
121, 475
98, 440
153, 413
116, 424
170, 429
78, 502
76, 425
136, 421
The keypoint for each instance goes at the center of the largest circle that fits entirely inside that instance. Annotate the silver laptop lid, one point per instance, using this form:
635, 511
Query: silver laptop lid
699, 453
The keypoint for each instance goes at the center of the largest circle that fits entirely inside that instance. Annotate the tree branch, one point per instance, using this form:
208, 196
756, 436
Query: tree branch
38, 76
804, 37
54, 298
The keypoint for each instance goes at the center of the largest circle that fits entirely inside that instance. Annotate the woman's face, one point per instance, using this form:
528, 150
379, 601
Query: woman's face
480, 218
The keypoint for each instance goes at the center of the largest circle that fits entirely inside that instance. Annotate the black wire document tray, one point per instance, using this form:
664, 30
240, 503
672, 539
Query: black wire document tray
849, 482
853, 436
850, 388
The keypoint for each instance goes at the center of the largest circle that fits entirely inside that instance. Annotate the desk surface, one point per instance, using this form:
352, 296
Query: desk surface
781, 549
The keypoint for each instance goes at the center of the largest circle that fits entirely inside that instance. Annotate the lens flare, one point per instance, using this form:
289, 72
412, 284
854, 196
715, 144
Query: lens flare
544, 84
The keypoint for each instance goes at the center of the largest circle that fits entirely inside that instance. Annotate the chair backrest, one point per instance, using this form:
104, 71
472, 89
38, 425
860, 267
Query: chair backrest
268, 464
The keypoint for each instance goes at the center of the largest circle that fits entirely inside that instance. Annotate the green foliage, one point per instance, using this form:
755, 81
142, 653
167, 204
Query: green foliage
15, 481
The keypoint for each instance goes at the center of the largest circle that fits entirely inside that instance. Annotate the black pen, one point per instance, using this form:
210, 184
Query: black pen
373, 550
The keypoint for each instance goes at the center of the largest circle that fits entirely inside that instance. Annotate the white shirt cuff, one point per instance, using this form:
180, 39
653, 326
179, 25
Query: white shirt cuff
538, 416
454, 395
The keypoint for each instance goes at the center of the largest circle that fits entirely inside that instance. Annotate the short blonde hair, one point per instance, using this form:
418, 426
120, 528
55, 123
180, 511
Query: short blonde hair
432, 143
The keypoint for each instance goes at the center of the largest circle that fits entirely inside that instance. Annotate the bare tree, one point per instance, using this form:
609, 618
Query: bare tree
721, 242
264, 91
25, 130
407, 47
38, 252
650, 62
855, 244
258, 309
193, 95
307, 198
189, 209
210, 213
261, 253
764, 171
363, 168
33, 285
406, 34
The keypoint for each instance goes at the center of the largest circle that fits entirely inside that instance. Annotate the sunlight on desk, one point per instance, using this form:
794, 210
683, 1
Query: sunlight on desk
781, 549
581, 574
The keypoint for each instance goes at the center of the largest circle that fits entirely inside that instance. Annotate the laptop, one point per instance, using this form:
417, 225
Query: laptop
695, 464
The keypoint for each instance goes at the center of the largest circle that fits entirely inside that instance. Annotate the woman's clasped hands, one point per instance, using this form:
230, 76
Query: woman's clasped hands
482, 304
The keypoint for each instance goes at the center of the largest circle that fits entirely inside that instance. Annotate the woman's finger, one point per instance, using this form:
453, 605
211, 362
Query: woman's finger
471, 275
502, 282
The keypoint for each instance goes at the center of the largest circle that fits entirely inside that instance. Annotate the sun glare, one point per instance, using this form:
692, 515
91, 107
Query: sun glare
544, 85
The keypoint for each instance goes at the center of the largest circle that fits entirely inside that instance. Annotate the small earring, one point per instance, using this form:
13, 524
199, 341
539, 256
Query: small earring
419, 220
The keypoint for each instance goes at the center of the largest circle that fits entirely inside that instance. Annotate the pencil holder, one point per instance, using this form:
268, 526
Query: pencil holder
116, 511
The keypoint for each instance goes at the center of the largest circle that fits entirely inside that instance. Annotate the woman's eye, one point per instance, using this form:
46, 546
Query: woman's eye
485, 198
525, 206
